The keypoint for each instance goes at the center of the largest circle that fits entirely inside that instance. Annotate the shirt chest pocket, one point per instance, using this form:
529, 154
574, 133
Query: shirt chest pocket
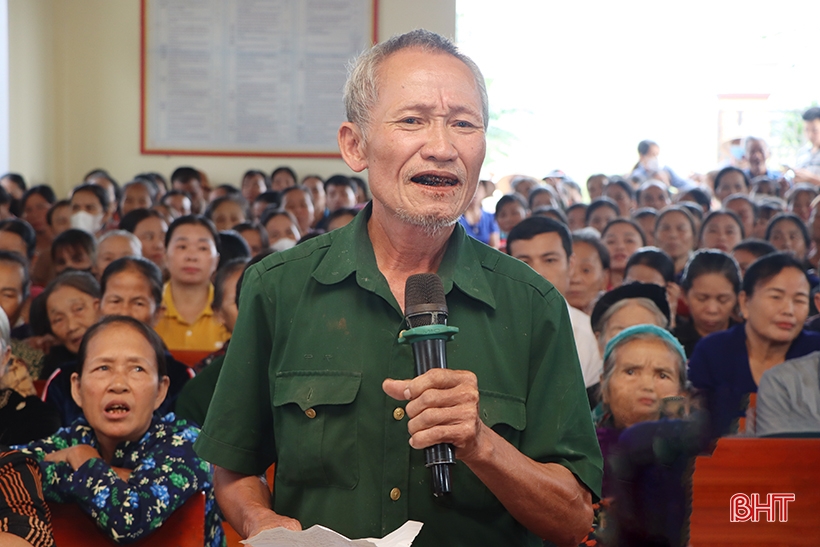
316, 426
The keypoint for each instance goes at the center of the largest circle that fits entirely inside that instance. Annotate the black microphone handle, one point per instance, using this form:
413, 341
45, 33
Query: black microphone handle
427, 355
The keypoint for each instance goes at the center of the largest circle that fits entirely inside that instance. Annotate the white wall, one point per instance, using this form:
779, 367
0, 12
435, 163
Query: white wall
74, 91
4, 87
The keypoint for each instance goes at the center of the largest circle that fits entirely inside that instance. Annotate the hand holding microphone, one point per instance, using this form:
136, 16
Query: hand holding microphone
443, 407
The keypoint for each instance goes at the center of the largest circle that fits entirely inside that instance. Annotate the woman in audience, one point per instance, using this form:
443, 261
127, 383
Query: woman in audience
297, 201
622, 238
749, 250
646, 218
226, 212
90, 208
786, 232
130, 286
255, 236
675, 234
652, 265
123, 464
282, 228
137, 194
800, 199
731, 180
113, 245
192, 255
18, 237
73, 250
72, 306
59, 217
601, 212
509, 211
726, 366
35, 205
721, 230
653, 194
621, 192
710, 283
589, 277
576, 216
150, 228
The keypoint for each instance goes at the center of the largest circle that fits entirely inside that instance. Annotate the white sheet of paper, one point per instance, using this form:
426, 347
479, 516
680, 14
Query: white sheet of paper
319, 536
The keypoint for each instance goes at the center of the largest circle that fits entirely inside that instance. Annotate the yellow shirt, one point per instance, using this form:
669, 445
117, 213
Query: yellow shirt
204, 334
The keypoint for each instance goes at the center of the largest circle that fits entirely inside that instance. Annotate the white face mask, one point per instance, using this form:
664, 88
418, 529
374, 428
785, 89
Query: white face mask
86, 222
283, 244
652, 164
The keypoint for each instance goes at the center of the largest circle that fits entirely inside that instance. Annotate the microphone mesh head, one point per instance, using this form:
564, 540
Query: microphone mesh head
424, 300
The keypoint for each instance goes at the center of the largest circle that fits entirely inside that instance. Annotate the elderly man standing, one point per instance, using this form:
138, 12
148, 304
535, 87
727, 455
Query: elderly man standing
316, 381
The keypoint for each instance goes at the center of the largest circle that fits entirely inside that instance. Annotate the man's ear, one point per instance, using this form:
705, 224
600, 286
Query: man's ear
351, 145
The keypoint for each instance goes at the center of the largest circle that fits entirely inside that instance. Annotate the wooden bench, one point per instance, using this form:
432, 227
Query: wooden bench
184, 528
756, 466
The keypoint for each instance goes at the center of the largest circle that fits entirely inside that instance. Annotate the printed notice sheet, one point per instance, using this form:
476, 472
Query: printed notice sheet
255, 76
319, 536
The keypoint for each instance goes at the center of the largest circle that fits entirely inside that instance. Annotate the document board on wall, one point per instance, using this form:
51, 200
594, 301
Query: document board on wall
248, 77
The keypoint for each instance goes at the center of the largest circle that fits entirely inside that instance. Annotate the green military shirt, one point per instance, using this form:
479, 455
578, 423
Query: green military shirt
195, 397
301, 386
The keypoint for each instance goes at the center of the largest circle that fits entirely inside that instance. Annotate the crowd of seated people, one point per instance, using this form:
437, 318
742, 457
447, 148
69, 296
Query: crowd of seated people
119, 302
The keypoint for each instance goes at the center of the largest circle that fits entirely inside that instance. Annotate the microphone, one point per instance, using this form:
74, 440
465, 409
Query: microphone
425, 310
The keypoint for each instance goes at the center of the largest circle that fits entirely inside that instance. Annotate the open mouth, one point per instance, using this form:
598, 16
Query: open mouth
117, 409
435, 180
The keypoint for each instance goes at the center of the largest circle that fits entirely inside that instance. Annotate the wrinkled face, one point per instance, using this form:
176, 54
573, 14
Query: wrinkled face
601, 216
674, 235
731, 183
228, 311
281, 227
129, 293
120, 387
298, 203
11, 290
711, 301
111, 249
587, 277
645, 372
135, 196
191, 255
228, 215
340, 196
622, 240
778, 308
35, 212
745, 212
425, 142
252, 186
787, 236
254, 241
620, 197
801, 205
654, 196
510, 214
722, 233
60, 219
70, 313
151, 233
70, 258
545, 254
10, 241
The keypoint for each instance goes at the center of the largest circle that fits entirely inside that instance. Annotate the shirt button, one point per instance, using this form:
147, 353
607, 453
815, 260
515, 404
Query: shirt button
398, 414
395, 494
310, 413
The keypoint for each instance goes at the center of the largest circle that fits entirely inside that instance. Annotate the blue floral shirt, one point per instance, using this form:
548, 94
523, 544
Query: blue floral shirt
165, 472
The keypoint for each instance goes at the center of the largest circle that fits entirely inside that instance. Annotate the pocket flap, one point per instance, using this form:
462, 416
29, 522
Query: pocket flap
500, 408
309, 388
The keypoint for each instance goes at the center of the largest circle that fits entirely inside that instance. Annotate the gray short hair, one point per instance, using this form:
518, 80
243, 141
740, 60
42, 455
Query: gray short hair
361, 91
609, 364
132, 239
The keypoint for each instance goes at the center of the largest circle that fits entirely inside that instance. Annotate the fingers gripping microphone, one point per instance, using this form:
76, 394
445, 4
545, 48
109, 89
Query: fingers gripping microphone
425, 310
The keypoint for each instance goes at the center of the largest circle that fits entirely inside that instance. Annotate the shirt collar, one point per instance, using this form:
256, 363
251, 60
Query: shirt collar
171, 310
352, 251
